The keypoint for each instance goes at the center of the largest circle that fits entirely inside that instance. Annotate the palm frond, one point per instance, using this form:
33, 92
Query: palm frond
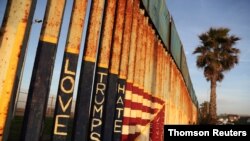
216, 52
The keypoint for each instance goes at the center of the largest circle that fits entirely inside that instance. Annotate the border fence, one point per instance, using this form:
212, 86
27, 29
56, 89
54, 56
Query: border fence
133, 76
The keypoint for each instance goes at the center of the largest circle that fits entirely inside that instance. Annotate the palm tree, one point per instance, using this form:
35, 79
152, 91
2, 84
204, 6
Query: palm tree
216, 54
204, 111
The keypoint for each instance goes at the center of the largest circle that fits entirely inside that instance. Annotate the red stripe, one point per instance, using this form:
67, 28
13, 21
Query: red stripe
125, 121
133, 136
127, 103
139, 106
147, 96
158, 100
135, 90
138, 91
135, 106
145, 108
156, 126
129, 86
124, 137
139, 119
144, 121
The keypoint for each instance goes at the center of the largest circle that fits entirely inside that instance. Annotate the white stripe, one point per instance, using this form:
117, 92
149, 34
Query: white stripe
138, 113
128, 95
130, 129
125, 129
156, 105
146, 102
138, 128
139, 98
134, 98
145, 116
127, 112
133, 113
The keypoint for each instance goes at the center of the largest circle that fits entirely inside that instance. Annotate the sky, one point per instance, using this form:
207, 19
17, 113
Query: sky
193, 17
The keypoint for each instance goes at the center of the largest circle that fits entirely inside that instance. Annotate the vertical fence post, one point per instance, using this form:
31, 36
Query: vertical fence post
110, 96
123, 72
131, 70
65, 89
87, 74
82, 48
99, 97
136, 91
11, 44
41, 76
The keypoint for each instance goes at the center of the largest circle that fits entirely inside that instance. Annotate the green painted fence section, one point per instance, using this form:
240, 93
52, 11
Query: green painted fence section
160, 17
176, 45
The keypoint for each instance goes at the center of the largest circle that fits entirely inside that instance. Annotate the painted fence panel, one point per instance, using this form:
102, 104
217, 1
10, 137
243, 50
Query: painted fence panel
175, 44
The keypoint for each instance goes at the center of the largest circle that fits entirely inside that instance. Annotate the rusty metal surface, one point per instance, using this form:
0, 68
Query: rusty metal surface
148, 47
104, 98
134, 36
126, 40
135, 91
117, 39
94, 31
52, 21
11, 38
106, 40
77, 22
131, 67
88, 72
139, 47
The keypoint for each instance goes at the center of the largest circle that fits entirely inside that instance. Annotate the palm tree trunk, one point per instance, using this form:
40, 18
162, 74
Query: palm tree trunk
212, 105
